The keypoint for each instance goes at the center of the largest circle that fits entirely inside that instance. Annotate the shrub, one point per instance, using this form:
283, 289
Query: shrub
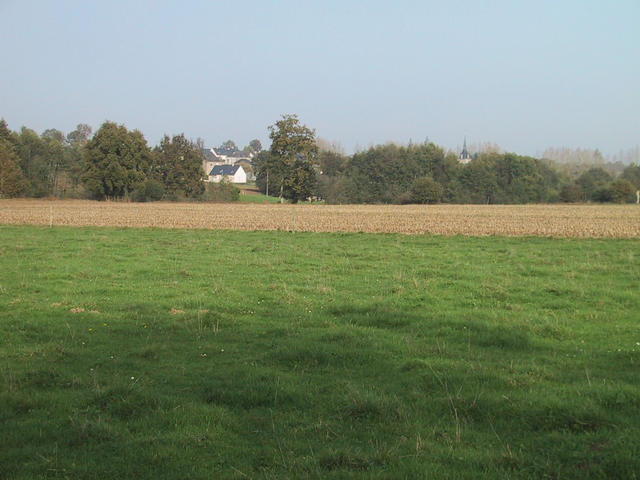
149, 191
425, 190
154, 190
225, 191
571, 193
623, 191
603, 194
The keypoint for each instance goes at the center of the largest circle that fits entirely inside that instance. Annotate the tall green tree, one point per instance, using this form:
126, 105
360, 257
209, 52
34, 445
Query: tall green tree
12, 181
432, 161
229, 145
331, 164
479, 180
32, 154
632, 173
54, 134
5, 133
594, 183
268, 173
291, 159
255, 145
177, 164
622, 191
55, 145
74, 163
382, 174
385, 173
117, 161
80, 136
522, 179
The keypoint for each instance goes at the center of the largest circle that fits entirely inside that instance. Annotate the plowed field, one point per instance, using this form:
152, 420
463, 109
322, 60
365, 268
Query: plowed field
610, 221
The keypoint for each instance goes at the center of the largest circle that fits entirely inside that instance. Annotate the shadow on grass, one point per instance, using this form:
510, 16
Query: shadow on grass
375, 375
477, 332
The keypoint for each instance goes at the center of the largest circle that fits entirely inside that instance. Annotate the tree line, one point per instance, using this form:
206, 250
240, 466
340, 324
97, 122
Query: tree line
114, 163
117, 163
426, 173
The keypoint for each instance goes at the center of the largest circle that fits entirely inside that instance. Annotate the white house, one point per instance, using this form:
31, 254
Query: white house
233, 173
219, 156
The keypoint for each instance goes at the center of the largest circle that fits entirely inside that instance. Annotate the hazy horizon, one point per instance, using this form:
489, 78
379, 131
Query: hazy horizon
526, 76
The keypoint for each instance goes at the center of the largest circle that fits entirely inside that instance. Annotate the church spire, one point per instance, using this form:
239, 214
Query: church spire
464, 155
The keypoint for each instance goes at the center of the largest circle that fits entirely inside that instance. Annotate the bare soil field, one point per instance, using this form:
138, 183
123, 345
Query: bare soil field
598, 221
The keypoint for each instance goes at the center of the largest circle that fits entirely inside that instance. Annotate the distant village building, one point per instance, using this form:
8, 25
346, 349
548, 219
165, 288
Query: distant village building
230, 157
233, 173
464, 155
214, 157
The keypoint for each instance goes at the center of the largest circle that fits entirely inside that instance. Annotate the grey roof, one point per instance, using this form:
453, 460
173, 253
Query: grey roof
231, 153
224, 151
208, 155
224, 170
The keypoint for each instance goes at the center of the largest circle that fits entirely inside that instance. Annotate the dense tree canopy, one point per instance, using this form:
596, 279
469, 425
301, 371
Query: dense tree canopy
593, 183
229, 145
5, 133
381, 174
80, 136
117, 161
571, 193
331, 164
396, 174
289, 164
32, 154
254, 146
425, 190
177, 164
632, 173
267, 174
12, 181
622, 191
74, 165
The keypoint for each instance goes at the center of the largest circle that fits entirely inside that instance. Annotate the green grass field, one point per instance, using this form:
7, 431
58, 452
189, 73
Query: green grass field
250, 194
144, 353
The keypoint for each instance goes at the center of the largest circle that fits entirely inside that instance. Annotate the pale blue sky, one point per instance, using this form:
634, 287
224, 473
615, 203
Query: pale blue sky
524, 74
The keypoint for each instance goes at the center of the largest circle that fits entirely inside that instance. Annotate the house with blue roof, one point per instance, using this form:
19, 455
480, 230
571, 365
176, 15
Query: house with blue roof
233, 173
224, 157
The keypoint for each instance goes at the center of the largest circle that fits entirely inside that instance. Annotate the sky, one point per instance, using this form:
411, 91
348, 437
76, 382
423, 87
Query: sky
525, 75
